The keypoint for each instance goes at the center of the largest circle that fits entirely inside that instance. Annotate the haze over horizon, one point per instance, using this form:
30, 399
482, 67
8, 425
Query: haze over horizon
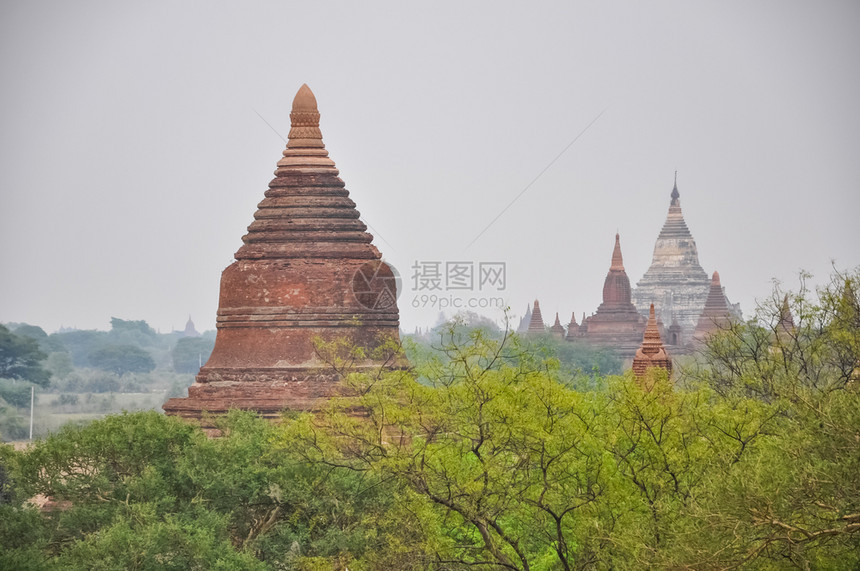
138, 140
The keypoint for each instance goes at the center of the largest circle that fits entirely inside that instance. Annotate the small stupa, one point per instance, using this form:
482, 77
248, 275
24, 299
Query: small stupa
536, 324
306, 272
190, 330
651, 352
786, 319
557, 328
523, 327
715, 315
572, 328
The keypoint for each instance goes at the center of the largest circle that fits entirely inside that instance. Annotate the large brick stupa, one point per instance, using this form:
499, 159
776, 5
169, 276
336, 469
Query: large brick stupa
307, 271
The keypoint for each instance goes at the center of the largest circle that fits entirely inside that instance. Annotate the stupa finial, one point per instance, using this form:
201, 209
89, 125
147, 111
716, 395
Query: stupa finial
675, 194
617, 260
305, 120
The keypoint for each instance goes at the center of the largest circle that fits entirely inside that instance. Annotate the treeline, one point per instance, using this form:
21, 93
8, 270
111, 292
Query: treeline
486, 454
129, 358
128, 347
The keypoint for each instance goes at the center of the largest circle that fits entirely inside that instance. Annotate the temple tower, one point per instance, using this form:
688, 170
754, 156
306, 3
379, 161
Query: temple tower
307, 271
651, 352
675, 283
616, 324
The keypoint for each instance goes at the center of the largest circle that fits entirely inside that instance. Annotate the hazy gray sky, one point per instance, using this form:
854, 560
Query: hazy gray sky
133, 158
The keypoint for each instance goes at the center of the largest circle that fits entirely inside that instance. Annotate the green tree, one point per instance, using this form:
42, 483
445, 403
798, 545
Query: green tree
485, 440
127, 332
801, 502
127, 499
21, 358
122, 359
148, 491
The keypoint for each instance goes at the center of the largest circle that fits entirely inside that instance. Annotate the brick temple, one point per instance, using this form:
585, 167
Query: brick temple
616, 324
307, 271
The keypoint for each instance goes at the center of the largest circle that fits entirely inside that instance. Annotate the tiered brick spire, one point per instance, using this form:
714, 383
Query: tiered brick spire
307, 212
307, 270
651, 353
536, 324
715, 315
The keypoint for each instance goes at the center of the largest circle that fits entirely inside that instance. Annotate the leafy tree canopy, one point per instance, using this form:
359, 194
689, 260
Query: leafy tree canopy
480, 456
32, 331
122, 359
122, 325
125, 332
21, 358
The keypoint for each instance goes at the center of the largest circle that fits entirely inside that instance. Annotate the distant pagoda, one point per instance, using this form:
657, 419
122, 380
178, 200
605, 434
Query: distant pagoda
557, 328
715, 315
785, 325
307, 271
536, 324
616, 324
675, 283
190, 330
651, 352
572, 328
523, 327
